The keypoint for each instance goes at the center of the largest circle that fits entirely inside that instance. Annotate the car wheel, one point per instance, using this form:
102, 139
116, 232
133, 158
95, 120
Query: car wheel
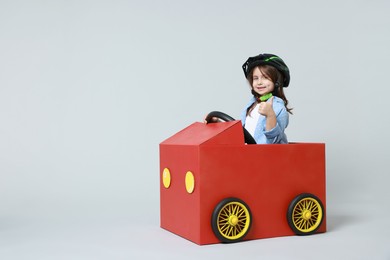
231, 220
305, 214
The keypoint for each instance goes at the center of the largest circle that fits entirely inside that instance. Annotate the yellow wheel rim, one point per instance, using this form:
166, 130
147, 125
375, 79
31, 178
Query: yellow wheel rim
233, 220
307, 215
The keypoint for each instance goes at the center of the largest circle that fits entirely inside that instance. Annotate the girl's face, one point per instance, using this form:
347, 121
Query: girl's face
261, 83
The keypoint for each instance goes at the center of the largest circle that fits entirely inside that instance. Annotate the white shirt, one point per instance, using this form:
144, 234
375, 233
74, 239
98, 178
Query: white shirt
251, 120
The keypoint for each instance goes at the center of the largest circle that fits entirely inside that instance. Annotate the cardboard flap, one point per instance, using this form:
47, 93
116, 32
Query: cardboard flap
214, 133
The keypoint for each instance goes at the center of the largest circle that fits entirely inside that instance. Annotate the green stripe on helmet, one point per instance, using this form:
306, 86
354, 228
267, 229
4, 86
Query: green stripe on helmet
272, 58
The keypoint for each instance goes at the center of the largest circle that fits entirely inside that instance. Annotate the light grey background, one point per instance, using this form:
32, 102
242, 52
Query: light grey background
88, 89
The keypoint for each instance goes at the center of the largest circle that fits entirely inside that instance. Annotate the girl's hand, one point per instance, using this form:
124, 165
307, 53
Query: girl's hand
266, 109
213, 120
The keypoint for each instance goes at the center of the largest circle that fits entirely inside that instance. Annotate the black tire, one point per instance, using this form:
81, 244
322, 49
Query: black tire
305, 214
247, 136
231, 220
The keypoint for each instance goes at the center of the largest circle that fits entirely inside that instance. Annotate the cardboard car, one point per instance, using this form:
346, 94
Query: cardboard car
214, 187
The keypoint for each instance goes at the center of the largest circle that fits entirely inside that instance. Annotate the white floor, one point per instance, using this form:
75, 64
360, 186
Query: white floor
354, 232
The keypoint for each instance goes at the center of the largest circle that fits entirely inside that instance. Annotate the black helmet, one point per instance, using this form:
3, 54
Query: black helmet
268, 59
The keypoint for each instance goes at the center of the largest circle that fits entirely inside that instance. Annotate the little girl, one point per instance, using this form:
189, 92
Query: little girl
266, 115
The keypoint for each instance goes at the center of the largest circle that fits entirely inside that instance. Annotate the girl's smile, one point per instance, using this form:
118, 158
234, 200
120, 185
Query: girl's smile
261, 84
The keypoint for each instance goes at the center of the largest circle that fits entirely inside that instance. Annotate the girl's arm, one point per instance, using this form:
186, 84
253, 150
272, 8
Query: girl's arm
270, 122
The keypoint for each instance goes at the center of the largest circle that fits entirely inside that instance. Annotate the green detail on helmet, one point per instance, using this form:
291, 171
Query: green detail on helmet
272, 58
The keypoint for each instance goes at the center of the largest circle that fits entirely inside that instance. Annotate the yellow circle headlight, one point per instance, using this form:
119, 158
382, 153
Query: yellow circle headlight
166, 178
190, 182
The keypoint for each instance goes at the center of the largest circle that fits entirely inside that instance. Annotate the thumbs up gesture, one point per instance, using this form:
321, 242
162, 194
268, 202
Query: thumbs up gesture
266, 109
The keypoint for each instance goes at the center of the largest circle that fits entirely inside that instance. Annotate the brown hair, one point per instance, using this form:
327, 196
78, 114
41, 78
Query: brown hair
276, 77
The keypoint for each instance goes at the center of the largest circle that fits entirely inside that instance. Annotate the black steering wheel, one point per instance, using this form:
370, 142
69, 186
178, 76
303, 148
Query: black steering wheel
247, 136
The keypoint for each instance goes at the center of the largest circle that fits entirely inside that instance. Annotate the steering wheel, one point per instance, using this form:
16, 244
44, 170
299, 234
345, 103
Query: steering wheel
247, 136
